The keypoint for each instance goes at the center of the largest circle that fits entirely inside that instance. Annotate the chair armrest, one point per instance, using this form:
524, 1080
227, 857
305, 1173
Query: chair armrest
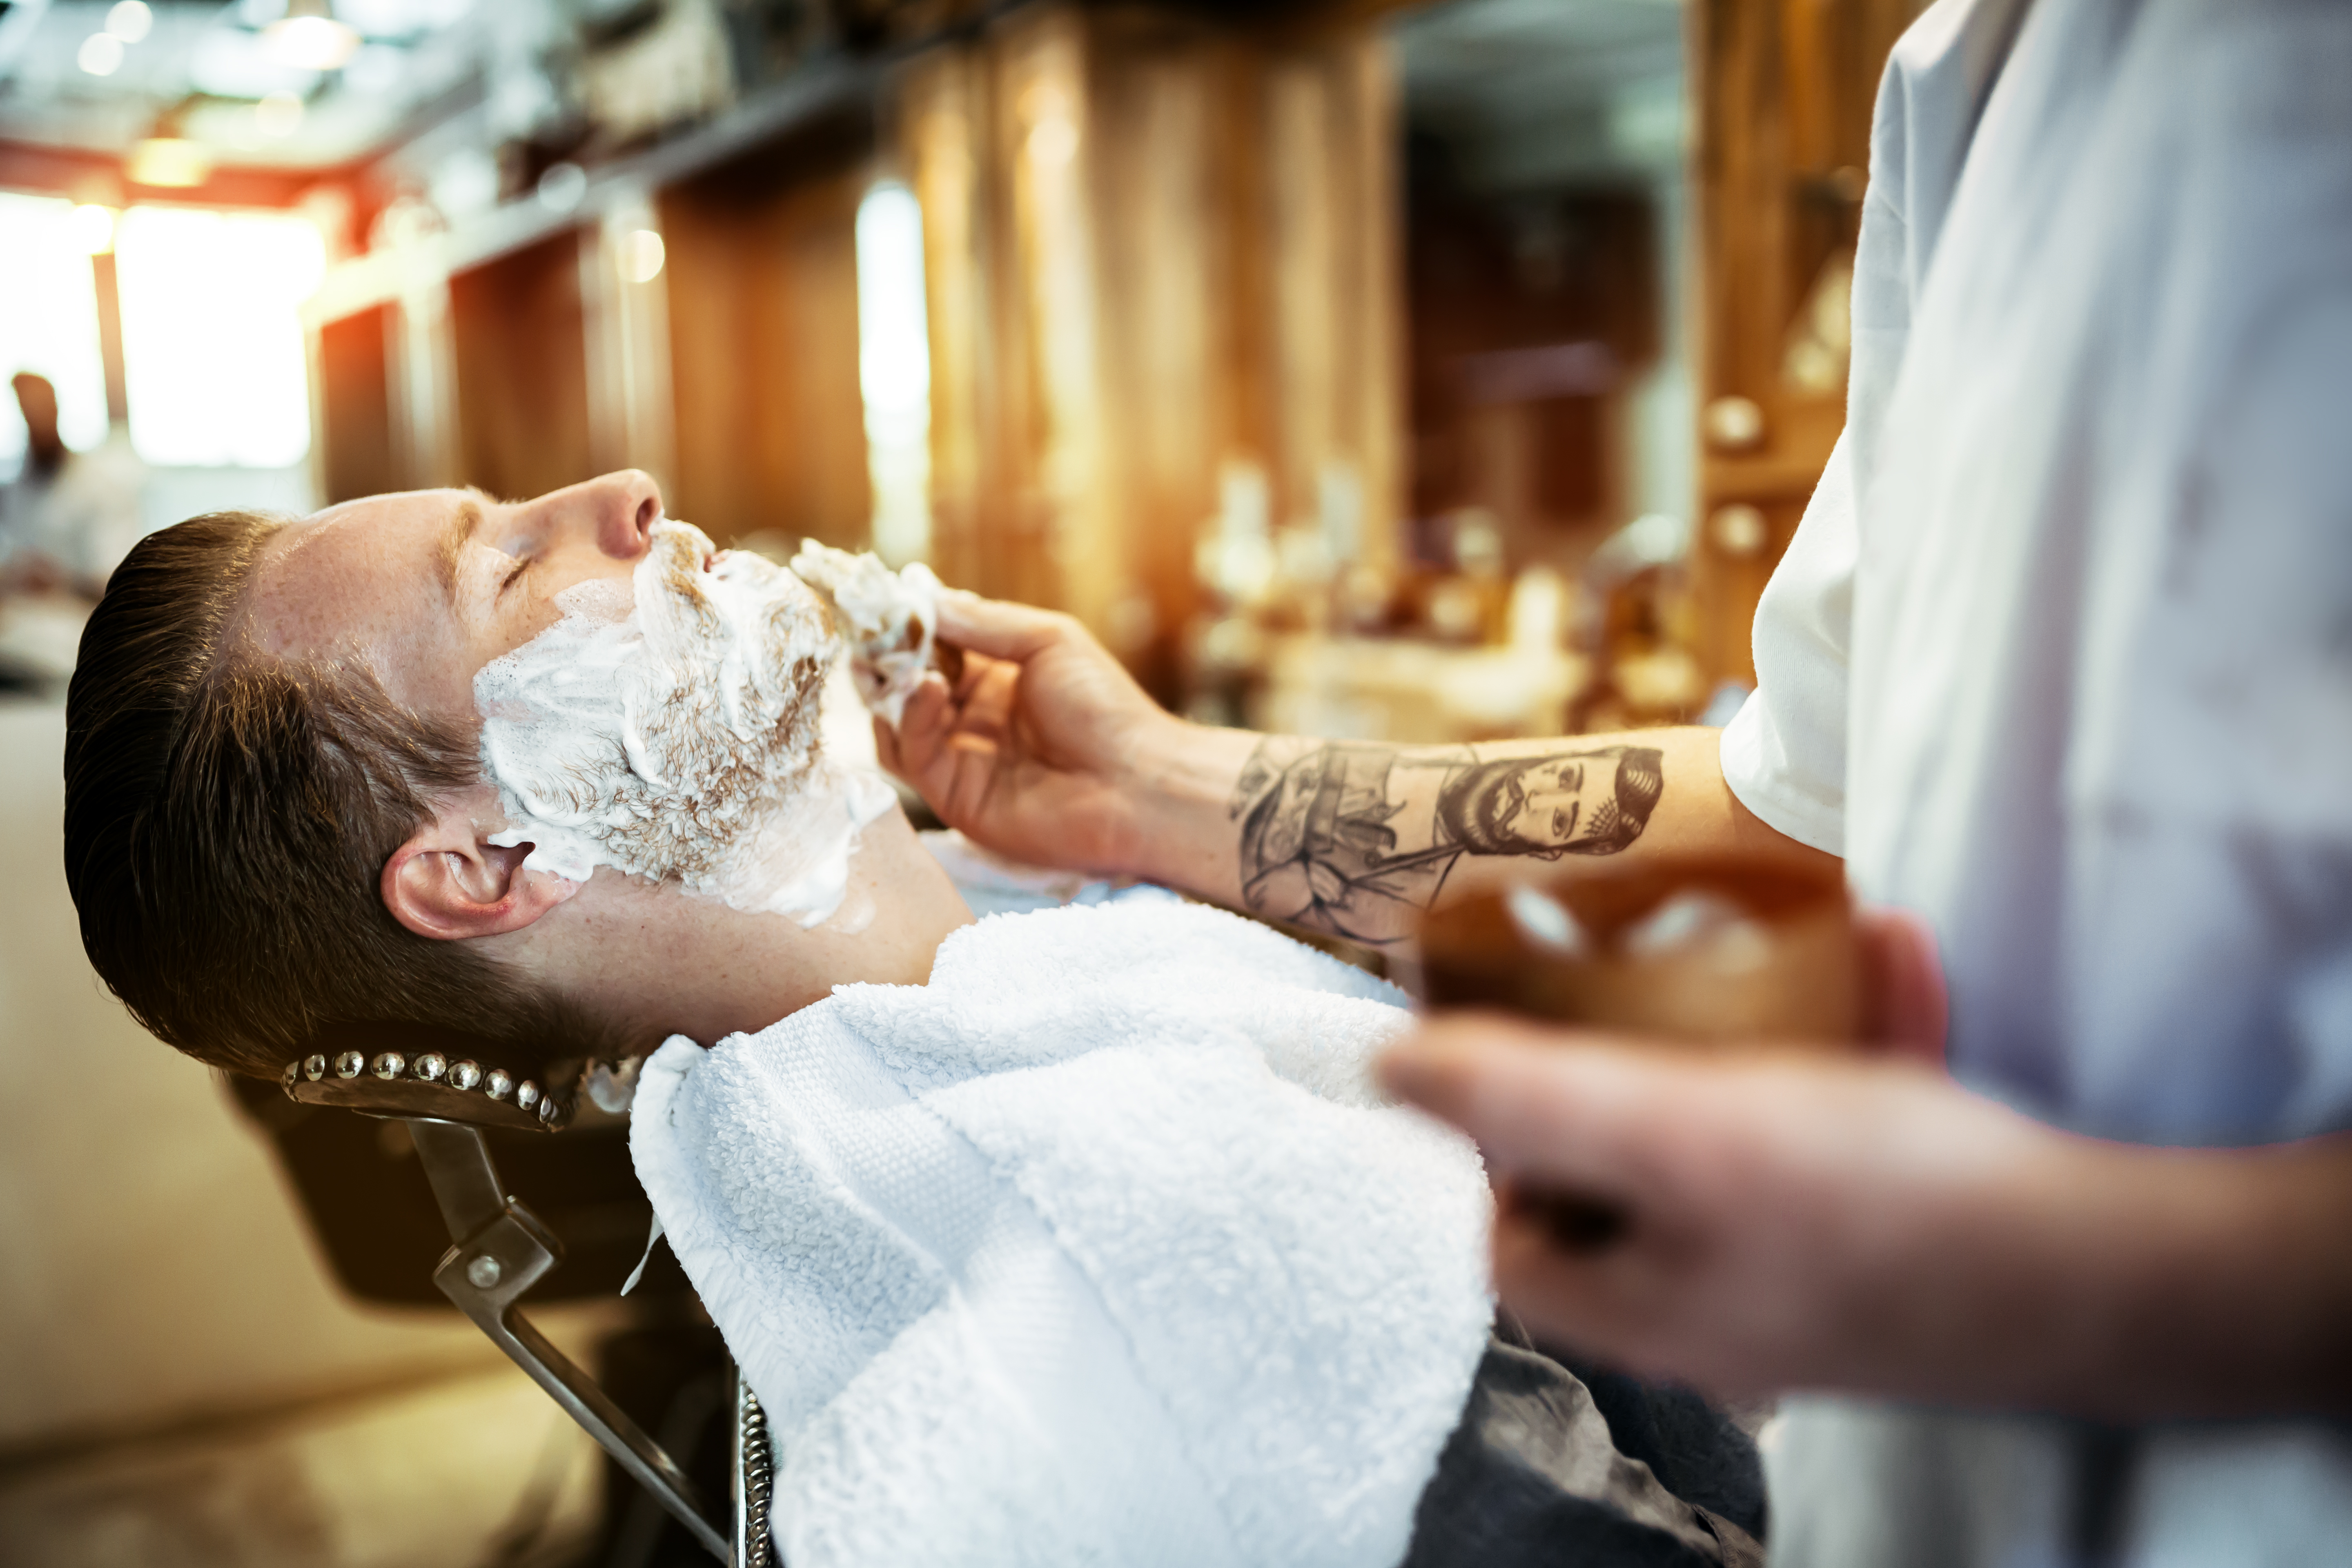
501, 1251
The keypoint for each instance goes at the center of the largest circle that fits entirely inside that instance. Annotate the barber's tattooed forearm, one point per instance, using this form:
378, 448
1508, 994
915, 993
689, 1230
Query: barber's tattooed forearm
1357, 839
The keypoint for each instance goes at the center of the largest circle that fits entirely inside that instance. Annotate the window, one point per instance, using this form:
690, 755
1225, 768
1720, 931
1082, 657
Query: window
212, 337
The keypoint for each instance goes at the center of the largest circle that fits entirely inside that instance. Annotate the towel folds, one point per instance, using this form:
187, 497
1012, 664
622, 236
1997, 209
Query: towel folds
1099, 1248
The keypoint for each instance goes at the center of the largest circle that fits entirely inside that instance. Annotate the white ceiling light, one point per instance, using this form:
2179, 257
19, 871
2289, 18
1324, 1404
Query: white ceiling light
229, 62
100, 54
129, 20
309, 38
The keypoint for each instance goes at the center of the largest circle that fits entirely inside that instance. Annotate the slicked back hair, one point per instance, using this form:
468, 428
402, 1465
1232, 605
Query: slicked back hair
228, 814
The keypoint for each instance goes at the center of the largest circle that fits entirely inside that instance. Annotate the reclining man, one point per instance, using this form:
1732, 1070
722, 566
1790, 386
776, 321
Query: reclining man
546, 773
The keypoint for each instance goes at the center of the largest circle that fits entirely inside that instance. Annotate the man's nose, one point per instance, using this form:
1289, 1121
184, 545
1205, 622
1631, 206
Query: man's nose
617, 511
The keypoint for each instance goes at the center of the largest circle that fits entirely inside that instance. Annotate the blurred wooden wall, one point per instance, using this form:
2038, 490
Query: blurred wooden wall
355, 453
1154, 247
761, 281
521, 423
1785, 92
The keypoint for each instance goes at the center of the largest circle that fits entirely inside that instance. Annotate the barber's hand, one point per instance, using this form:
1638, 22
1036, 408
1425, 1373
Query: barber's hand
1779, 1214
1793, 1221
1034, 751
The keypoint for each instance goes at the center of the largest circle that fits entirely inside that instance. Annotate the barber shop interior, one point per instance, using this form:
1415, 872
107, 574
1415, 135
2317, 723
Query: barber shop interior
1291, 783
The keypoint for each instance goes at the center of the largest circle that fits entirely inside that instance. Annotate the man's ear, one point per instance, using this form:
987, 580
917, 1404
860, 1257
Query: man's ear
449, 882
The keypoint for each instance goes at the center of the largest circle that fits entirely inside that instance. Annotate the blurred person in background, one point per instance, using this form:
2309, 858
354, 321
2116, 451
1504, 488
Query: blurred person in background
2058, 663
67, 517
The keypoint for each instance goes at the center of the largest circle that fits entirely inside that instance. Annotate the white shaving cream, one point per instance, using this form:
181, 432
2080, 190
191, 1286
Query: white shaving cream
888, 617
669, 729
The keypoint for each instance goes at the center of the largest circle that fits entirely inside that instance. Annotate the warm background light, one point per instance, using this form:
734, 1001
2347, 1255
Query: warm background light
168, 161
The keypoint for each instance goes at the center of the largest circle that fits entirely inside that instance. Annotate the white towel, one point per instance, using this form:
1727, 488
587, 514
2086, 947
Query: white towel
1100, 1248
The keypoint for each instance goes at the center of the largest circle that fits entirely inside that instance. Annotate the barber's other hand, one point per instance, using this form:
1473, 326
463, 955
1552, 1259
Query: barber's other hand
1033, 753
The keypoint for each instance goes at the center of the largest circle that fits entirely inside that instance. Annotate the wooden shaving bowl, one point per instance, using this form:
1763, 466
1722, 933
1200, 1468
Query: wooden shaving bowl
1755, 952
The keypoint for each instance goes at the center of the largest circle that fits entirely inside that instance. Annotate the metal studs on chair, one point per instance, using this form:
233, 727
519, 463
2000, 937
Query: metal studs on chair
550, 1110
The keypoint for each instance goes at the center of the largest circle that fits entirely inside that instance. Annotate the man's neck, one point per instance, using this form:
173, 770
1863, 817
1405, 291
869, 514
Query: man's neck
656, 961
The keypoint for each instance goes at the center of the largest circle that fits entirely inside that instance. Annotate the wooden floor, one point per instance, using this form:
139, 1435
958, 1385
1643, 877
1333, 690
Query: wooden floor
470, 1471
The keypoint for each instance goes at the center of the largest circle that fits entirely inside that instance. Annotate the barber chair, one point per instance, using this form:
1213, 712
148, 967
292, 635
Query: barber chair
434, 1085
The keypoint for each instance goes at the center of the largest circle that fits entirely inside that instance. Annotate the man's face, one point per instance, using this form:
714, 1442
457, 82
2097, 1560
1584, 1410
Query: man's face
429, 586
1554, 801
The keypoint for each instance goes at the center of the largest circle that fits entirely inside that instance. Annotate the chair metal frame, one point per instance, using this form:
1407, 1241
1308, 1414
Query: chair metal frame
499, 1249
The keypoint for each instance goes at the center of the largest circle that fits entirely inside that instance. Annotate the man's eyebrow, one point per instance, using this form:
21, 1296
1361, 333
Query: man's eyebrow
454, 538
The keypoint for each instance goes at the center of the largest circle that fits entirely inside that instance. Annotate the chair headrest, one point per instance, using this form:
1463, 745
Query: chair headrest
414, 1070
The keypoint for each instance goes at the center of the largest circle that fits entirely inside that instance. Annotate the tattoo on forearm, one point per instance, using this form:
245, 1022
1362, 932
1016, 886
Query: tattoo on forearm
1357, 839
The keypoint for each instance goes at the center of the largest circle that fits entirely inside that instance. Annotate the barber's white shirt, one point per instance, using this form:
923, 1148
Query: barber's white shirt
2060, 658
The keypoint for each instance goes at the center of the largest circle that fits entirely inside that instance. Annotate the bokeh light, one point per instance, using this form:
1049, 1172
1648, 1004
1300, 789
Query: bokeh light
168, 161
129, 20
642, 255
310, 42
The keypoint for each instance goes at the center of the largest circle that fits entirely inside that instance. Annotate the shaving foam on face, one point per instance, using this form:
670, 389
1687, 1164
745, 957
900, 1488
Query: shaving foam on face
669, 729
888, 617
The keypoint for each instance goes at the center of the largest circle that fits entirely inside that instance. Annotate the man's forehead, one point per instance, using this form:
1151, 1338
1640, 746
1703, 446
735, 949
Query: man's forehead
359, 523
350, 569
371, 515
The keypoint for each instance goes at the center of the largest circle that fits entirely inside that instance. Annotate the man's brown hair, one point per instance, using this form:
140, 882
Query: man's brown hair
228, 815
